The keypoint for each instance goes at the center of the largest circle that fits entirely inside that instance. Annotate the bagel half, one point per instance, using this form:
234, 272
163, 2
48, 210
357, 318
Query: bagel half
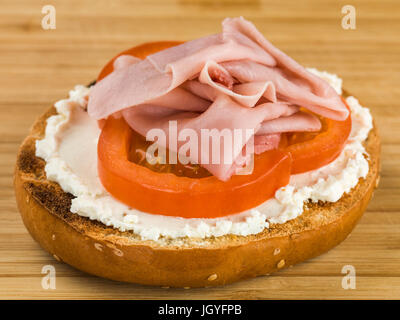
92, 247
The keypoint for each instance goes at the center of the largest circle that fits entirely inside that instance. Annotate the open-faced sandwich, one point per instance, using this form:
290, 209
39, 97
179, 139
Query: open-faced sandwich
198, 163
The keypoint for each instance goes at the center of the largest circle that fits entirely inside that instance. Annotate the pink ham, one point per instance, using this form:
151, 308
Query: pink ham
200, 89
213, 73
233, 80
324, 102
165, 70
247, 94
125, 61
239, 28
266, 142
146, 117
300, 121
161, 72
178, 98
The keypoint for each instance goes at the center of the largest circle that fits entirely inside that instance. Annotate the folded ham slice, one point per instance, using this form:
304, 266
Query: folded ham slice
233, 80
247, 94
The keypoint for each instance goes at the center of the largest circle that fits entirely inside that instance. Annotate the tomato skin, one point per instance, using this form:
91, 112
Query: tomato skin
168, 194
323, 148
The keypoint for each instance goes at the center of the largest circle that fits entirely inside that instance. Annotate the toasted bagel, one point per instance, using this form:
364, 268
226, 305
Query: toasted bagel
97, 249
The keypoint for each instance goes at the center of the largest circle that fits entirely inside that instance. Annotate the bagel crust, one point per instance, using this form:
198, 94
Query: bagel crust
92, 247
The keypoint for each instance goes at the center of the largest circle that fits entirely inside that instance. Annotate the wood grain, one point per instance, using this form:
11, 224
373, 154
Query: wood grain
38, 67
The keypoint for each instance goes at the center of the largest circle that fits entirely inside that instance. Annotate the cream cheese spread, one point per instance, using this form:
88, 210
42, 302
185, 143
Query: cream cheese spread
70, 151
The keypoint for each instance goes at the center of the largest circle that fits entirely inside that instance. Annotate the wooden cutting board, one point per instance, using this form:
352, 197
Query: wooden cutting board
38, 67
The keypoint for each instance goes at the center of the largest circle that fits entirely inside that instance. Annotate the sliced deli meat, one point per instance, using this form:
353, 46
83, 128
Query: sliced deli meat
125, 61
222, 114
235, 80
161, 72
298, 122
312, 93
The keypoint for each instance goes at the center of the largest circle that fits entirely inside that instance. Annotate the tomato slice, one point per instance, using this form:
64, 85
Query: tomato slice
137, 154
172, 195
311, 151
